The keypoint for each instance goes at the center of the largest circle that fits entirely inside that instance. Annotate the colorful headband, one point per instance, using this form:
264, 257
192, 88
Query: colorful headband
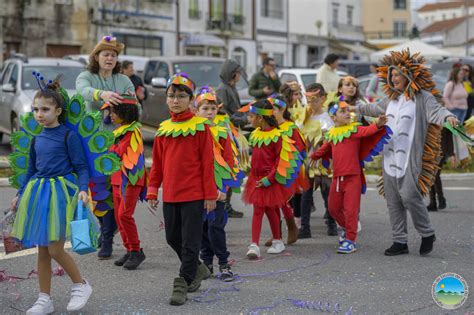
40, 80
277, 102
205, 93
260, 111
181, 78
340, 104
351, 79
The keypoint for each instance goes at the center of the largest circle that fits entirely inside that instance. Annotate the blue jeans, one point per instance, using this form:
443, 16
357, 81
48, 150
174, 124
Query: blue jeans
213, 236
460, 114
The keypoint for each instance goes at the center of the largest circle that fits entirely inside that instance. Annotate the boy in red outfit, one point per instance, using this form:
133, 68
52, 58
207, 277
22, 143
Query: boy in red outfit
183, 164
348, 152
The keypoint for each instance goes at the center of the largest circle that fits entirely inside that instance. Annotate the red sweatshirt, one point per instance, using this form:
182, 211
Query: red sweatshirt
265, 160
183, 165
345, 154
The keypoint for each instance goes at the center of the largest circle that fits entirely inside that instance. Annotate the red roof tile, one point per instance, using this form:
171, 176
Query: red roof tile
444, 5
442, 26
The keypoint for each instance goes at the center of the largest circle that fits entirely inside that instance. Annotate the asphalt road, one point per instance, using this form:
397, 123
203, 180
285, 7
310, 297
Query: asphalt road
366, 282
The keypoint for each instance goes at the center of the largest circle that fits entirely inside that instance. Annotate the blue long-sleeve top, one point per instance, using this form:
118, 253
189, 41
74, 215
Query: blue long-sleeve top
51, 157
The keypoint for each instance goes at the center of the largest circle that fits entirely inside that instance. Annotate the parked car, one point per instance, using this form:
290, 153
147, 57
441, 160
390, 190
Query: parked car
138, 61
203, 70
18, 86
304, 77
355, 68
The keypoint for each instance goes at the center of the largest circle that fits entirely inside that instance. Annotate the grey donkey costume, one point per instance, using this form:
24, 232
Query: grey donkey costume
412, 154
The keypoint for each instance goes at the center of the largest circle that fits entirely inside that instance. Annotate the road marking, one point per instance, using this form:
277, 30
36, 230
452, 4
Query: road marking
25, 252
444, 188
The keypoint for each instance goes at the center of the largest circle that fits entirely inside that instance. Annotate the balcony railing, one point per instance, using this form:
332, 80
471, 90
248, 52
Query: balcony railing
275, 14
387, 34
218, 25
347, 27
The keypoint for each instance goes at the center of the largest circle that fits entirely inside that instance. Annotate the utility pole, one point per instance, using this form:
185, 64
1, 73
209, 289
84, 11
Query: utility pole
178, 35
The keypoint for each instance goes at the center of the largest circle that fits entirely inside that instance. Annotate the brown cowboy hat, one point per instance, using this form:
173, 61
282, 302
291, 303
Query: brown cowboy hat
108, 43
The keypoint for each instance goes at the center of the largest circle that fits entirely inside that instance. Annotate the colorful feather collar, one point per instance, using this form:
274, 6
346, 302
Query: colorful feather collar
120, 131
221, 119
218, 132
182, 128
258, 136
337, 134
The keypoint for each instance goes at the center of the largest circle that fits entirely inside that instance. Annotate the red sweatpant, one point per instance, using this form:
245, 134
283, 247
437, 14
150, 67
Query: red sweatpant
124, 209
273, 219
287, 212
344, 203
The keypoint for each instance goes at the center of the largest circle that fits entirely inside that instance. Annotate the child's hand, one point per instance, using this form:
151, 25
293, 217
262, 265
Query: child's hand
84, 197
381, 120
221, 196
14, 203
209, 205
153, 203
453, 121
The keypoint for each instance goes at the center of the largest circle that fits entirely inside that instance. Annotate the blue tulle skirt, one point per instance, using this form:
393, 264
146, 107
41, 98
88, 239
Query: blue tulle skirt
45, 209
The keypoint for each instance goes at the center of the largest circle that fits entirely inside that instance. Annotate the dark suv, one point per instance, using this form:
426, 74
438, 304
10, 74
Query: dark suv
203, 70
18, 86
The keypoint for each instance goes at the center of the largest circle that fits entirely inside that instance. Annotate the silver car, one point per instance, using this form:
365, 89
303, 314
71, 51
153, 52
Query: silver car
18, 86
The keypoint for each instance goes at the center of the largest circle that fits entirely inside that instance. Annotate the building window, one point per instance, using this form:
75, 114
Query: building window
193, 11
271, 8
400, 4
350, 12
454, 15
240, 56
399, 29
217, 10
335, 15
279, 59
141, 45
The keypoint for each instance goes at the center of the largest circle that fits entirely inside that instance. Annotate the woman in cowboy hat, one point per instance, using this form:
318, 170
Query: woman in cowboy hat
103, 83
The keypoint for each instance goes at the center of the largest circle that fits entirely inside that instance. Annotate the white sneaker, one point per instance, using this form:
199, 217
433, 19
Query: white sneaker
43, 305
277, 247
80, 294
253, 252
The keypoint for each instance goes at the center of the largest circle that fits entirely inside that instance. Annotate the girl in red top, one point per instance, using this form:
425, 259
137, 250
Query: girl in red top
274, 167
130, 182
289, 128
347, 150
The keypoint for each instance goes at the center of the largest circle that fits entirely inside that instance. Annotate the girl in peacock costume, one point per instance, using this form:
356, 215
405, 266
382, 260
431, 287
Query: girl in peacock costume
289, 129
411, 158
129, 183
240, 147
315, 123
58, 154
227, 176
276, 163
348, 145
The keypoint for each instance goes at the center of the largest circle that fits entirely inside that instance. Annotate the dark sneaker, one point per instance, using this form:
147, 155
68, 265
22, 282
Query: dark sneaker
426, 246
105, 251
234, 213
432, 206
442, 203
211, 268
396, 249
135, 259
122, 260
202, 273
226, 273
304, 233
332, 230
180, 292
